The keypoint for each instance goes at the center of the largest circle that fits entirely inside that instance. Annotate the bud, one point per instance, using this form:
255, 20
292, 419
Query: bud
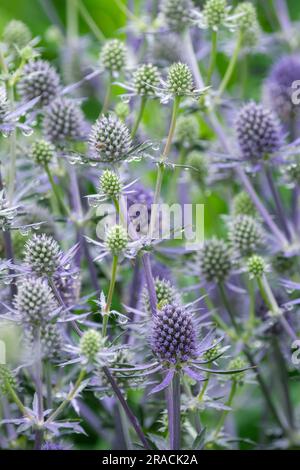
243, 205
122, 110
16, 34
180, 79
116, 240
246, 235
7, 380
187, 130
42, 152
215, 12
43, 254
235, 364
247, 23
215, 260
212, 353
63, 120
113, 55
256, 266
39, 78
145, 79
198, 160
110, 184
177, 14
90, 344
166, 294
173, 337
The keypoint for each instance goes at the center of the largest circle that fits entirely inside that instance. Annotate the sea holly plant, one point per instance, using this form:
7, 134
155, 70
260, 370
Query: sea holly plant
149, 226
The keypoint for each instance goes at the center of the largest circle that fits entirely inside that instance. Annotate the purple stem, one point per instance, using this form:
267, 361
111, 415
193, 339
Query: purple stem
150, 282
173, 398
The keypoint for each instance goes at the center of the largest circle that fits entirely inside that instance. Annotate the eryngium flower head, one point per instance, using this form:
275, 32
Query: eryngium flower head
113, 55
187, 130
42, 254
110, 184
198, 161
243, 205
145, 79
256, 266
39, 78
42, 152
180, 79
245, 235
258, 131
63, 120
166, 294
7, 380
16, 34
116, 240
90, 344
278, 87
235, 364
3, 103
215, 260
247, 23
35, 301
50, 337
177, 14
110, 139
173, 337
215, 12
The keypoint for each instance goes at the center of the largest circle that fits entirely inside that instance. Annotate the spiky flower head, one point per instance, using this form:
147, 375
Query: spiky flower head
258, 132
278, 87
173, 338
256, 266
63, 121
198, 161
7, 379
90, 344
3, 103
215, 12
215, 260
42, 152
122, 110
187, 130
16, 34
247, 23
145, 79
35, 301
180, 79
110, 139
116, 240
236, 364
243, 205
246, 235
110, 184
212, 353
39, 78
113, 55
166, 294
42, 254
50, 337
177, 14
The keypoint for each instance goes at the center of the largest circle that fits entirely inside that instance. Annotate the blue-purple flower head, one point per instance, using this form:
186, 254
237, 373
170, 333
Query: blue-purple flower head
258, 132
63, 121
173, 337
215, 260
39, 78
278, 87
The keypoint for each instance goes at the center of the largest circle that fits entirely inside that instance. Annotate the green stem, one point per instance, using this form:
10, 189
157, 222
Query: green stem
227, 305
110, 294
17, 401
107, 96
231, 66
70, 396
213, 56
176, 175
72, 20
13, 154
225, 412
139, 116
90, 22
56, 192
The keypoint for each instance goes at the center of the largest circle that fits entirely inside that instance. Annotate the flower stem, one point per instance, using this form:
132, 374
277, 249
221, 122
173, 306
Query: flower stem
106, 101
13, 155
126, 408
139, 116
231, 66
17, 401
56, 192
213, 56
110, 294
150, 282
174, 412
227, 305
225, 412
90, 21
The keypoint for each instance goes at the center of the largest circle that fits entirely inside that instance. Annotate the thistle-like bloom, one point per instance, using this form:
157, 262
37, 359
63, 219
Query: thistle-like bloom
242, 205
258, 132
90, 344
116, 240
187, 130
214, 13
39, 79
42, 152
35, 302
278, 87
43, 255
177, 14
180, 80
63, 121
113, 55
246, 235
166, 294
146, 79
215, 260
7, 380
51, 340
256, 266
110, 140
110, 184
173, 338
16, 34
247, 23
